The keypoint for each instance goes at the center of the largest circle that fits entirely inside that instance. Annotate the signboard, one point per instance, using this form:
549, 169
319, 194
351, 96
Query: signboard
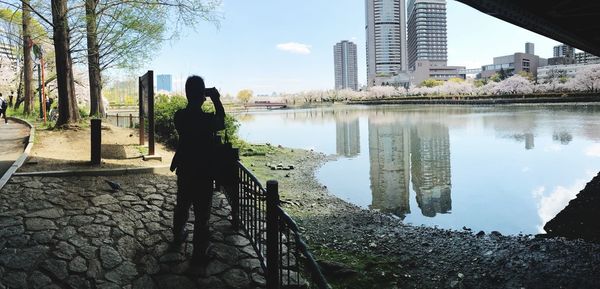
146, 108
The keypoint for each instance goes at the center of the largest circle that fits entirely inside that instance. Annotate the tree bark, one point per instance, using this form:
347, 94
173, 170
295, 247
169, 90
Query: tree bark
93, 53
19, 90
27, 61
67, 103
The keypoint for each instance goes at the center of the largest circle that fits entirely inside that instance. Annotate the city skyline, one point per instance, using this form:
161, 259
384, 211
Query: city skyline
247, 51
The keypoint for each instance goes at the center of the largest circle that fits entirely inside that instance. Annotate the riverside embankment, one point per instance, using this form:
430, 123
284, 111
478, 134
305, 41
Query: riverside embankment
379, 251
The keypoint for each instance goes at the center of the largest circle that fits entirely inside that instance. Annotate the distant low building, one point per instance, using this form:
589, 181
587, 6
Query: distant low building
560, 60
424, 69
551, 71
514, 63
586, 58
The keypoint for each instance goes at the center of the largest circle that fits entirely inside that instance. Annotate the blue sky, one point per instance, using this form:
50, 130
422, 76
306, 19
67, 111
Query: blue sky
287, 45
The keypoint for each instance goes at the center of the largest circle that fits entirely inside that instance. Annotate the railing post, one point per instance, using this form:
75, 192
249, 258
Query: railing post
117, 119
96, 141
130, 120
233, 191
272, 235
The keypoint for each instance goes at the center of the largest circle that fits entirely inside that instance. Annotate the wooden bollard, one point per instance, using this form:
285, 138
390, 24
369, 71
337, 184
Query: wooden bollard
96, 141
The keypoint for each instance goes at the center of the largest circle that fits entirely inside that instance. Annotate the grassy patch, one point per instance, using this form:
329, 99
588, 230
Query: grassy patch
373, 271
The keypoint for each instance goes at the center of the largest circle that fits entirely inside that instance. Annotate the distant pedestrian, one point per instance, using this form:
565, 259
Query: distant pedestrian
3, 107
195, 163
10, 98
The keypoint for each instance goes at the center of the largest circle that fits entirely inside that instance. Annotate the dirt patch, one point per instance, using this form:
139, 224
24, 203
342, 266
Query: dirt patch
60, 149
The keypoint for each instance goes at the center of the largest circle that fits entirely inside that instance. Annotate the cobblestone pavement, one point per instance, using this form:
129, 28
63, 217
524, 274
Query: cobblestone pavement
74, 232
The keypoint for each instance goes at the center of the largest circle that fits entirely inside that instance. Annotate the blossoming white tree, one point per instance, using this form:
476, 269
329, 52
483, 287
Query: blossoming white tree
515, 84
587, 79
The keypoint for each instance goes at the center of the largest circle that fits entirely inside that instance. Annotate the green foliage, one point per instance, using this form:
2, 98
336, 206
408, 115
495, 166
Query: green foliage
496, 77
431, 83
527, 75
480, 82
164, 111
83, 112
165, 108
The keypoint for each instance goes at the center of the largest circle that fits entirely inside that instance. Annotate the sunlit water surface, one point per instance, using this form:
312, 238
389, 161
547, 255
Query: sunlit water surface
504, 168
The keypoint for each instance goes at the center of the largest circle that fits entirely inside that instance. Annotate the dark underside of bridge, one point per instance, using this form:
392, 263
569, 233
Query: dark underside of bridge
576, 23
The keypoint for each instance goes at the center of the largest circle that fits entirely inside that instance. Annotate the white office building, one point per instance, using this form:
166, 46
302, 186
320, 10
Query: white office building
386, 42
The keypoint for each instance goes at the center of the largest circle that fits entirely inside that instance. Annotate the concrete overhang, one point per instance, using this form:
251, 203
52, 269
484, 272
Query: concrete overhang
572, 22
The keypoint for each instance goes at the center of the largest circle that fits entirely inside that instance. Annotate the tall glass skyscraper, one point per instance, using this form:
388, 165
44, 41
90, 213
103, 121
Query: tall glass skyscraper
427, 32
346, 72
386, 38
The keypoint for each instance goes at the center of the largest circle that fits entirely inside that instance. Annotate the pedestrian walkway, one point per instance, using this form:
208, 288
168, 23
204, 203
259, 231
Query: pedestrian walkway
75, 232
13, 136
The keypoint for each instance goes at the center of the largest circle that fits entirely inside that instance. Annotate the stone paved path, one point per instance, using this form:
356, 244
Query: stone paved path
73, 232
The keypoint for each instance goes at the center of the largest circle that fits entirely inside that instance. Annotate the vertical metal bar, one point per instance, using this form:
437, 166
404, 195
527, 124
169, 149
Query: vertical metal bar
272, 235
96, 141
150, 112
130, 120
141, 111
117, 119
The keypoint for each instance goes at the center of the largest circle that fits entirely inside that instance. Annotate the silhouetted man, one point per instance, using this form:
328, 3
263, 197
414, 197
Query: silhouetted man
195, 163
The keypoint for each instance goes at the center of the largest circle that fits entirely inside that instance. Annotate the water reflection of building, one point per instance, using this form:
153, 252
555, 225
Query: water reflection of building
430, 148
347, 137
529, 144
389, 153
400, 151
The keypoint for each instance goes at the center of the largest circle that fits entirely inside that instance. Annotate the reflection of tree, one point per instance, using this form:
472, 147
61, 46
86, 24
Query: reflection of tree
347, 137
562, 136
389, 152
430, 159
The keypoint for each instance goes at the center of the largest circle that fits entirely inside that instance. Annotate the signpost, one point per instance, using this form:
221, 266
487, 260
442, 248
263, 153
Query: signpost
146, 109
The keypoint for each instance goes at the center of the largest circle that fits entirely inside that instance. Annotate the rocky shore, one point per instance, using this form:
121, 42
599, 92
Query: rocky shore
377, 250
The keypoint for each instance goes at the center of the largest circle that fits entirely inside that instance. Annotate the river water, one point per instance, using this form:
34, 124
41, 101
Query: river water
505, 168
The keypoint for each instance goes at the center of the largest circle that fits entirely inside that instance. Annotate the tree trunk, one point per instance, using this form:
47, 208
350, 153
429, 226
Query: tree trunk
27, 61
67, 103
93, 50
19, 91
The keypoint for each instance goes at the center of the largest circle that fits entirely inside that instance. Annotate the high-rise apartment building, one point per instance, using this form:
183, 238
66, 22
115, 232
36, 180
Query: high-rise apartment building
564, 50
346, 70
164, 82
386, 40
427, 32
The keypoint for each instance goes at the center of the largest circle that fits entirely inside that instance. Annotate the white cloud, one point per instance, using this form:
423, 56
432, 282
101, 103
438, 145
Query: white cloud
548, 205
294, 47
593, 150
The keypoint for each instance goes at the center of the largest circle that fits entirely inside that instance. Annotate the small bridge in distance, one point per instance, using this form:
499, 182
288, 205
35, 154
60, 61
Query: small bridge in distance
266, 104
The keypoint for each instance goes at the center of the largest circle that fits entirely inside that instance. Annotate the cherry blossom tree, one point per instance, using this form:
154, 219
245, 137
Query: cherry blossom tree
515, 84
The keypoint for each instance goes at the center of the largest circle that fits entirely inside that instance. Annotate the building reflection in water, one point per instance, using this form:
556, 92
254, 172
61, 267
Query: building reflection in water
389, 153
398, 151
430, 159
347, 137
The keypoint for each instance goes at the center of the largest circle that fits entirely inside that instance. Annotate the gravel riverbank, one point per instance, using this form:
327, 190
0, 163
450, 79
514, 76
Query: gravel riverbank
419, 257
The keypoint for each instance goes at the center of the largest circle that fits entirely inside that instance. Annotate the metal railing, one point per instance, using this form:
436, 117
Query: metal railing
276, 238
123, 120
